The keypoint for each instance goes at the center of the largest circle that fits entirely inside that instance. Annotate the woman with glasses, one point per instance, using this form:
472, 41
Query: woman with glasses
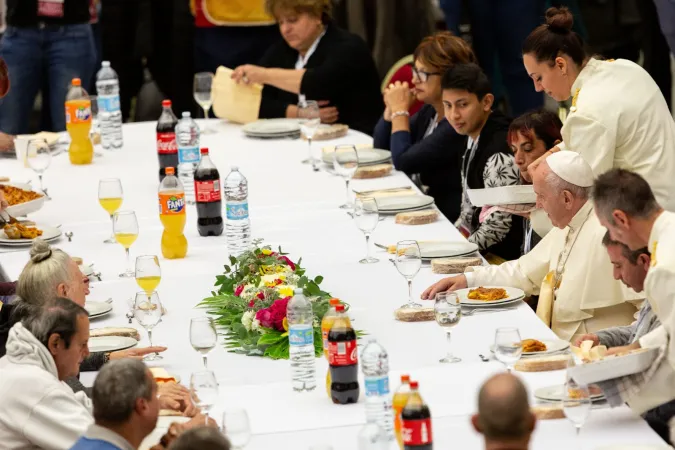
425, 143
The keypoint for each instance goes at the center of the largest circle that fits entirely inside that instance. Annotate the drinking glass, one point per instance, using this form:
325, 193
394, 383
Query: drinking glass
310, 119
203, 96
110, 197
148, 312
148, 273
236, 427
576, 404
408, 261
508, 346
204, 391
345, 163
203, 336
125, 227
366, 216
448, 311
39, 157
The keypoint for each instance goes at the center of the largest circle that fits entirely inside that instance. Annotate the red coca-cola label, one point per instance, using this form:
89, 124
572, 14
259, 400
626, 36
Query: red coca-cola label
207, 191
344, 353
166, 143
50, 8
417, 432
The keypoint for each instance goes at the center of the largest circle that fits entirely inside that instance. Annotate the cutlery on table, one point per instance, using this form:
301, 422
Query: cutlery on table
472, 311
69, 235
393, 189
483, 358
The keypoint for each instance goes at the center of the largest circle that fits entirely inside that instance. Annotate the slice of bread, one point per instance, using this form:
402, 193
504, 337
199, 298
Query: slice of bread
375, 171
417, 217
544, 364
548, 412
454, 265
115, 331
326, 132
414, 314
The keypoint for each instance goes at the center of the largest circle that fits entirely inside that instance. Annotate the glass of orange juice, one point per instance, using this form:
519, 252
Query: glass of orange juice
110, 197
125, 227
148, 273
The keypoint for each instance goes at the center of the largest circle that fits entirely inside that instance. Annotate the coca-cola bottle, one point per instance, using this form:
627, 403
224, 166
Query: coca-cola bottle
167, 149
207, 193
343, 360
416, 419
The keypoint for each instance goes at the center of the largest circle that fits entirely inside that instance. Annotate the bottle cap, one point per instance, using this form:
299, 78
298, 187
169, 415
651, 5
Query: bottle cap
105, 63
414, 384
405, 378
170, 171
340, 308
235, 168
204, 151
299, 291
166, 103
77, 82
186, 114
334, 301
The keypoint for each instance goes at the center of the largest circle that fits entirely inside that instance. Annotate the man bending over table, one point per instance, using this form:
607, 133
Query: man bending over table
568, 265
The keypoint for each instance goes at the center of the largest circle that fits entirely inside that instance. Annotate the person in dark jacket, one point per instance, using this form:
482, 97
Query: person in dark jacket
426, 143
488, 161
316, 61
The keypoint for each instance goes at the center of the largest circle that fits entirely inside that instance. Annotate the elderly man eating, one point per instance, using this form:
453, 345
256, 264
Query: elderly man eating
569, 269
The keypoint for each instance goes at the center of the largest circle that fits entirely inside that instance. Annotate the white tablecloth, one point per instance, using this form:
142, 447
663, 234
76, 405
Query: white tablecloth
292, 206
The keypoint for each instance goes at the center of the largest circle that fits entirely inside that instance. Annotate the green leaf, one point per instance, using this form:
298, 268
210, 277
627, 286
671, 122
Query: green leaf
271, 337
233, 260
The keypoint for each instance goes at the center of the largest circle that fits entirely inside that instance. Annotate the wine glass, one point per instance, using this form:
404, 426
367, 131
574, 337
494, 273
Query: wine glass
448, 311
308, 113
39, 157
508, 346
345, 163
366, 217
236, 427
148, 273
203, 96
408, 261
576, 404
95, 123
148, 312
204, 391
203, 336
110, 197
125, 227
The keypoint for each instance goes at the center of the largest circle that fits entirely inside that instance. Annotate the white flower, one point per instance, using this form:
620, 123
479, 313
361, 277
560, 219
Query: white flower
247, 319
255, 325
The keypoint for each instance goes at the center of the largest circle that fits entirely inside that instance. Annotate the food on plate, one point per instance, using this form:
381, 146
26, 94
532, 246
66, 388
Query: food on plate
454, 265
375, 171
544, 364
417, 217
548, 412
414, 314
533, 345
15, 195
487, 294
162, 376
326, 132
115, 331
19, 231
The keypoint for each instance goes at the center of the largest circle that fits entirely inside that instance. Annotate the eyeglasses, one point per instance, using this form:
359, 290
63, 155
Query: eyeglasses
422, 75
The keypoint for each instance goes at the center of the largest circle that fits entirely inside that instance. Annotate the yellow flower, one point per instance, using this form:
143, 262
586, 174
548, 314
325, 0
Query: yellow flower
285, 291
285, 324
282, 277
266, 252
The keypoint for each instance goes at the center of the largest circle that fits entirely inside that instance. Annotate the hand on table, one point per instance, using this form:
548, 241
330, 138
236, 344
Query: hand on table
398, 97
328, 114
446, 284
248, 73
587, 337
136, 353
176, 397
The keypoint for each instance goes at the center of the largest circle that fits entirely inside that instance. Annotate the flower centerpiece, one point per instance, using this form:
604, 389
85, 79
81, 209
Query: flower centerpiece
250, 304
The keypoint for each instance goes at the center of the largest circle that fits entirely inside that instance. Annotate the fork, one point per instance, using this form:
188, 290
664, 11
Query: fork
471, 311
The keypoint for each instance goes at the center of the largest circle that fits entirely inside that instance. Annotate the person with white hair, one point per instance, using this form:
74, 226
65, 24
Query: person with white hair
569, 269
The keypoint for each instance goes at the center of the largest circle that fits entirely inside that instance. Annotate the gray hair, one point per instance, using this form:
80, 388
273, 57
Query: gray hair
58, 315
620, 189
117, 387
46, 269
558, 184
202, 438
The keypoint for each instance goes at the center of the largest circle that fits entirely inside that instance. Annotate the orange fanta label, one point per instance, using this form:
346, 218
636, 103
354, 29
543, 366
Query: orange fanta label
78, 112
171, 204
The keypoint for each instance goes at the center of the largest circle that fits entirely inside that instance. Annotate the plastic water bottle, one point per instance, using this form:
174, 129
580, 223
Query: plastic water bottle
372, 437
238, 227
109, 112
375, 364
187, 140
301, 342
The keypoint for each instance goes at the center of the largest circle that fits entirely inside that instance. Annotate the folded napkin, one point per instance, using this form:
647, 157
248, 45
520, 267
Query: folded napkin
239, 103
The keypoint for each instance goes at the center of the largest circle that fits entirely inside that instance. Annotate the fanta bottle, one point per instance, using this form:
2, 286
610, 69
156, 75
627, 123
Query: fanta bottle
172, 215
78, 124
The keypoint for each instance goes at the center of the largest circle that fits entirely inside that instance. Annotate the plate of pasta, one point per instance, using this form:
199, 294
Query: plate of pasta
489, 295
22, 199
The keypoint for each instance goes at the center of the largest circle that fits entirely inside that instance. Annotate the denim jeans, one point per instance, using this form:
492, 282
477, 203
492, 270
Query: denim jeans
666, 9
55, 54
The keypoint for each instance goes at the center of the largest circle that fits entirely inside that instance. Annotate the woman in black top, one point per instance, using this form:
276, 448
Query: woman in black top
319, 61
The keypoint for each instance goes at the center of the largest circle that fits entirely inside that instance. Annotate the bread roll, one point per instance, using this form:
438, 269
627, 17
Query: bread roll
414, 314
417, 217
326, 132
454, 265
548, 412
115, 331
545, 364
375, 171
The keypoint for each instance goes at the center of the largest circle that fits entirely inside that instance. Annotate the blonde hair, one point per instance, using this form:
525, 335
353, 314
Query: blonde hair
317, 8
46, 269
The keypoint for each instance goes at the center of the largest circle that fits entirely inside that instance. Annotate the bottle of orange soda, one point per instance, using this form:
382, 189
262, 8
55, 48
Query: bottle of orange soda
398, 403
78, 124
172, 215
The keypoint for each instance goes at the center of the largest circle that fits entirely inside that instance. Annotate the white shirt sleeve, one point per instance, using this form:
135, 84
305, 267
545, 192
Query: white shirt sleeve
655, 338
592, 140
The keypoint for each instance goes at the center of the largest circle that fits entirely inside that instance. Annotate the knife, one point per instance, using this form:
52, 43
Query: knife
382, 246
401, 188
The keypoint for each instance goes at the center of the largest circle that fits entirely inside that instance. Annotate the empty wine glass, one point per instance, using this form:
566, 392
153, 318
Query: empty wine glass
508, 346
202, 94
148, 312
39, 157
148, 273
203, 336
125, 227
310, 119
448, 312
110, 197
236, 427
576, 404
346, 163
366, 217
204, 391
408, 261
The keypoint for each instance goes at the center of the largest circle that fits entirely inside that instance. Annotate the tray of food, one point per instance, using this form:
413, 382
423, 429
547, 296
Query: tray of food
21, 198
597, 366
504, 195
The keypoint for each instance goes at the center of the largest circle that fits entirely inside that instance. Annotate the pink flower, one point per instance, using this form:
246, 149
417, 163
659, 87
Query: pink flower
273, 317
265, 318
260, 295
239, 290
251, 304
288, 262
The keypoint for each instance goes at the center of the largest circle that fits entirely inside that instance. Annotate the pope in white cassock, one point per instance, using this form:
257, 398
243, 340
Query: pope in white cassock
569, 269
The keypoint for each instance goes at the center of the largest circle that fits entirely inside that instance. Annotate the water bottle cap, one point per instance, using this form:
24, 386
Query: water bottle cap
299, 291
414, 385
105, 63
204, 151
77, 82
166, 103
170, 171
340, 308
186, 113
371, 340
235, 168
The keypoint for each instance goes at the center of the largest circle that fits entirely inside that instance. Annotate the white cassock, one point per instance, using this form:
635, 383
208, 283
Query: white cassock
619, 119
588, 298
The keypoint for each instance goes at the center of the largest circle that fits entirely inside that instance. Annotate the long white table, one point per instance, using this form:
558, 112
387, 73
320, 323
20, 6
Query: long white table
296, 208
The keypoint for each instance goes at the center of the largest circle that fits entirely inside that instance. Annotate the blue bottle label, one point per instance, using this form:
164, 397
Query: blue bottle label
377, 386
109, 103
188, 155
236, 210
301, 334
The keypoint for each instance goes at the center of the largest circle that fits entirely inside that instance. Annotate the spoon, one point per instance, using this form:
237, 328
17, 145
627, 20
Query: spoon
483, 358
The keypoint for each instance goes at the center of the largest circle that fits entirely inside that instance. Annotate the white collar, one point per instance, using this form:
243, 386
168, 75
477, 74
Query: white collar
99, 433
302, 61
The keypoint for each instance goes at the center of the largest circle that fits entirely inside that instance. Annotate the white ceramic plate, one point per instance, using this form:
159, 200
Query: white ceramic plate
551, 347
403, 203
367, 156
48, 234
445, 249
25, 208
96, 309
555, 394
512, 294
272, 127
110, 343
